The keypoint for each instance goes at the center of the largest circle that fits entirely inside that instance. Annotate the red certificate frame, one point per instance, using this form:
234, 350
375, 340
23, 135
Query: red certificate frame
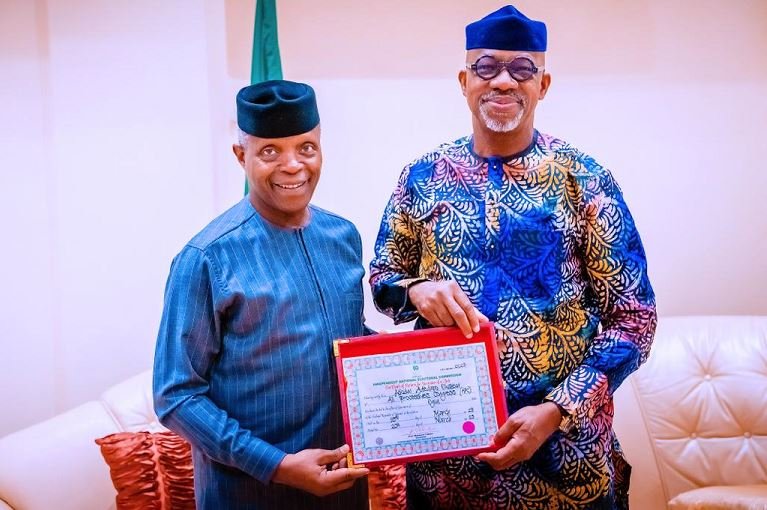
420, 395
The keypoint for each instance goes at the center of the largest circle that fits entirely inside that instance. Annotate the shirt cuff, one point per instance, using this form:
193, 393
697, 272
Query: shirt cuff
407, 310
263, 463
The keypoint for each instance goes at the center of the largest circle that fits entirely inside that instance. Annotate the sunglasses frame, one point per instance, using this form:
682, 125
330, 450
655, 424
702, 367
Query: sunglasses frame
501, 65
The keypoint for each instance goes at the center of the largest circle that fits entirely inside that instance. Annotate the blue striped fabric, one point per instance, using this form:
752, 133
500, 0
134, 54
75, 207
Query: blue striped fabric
244, 368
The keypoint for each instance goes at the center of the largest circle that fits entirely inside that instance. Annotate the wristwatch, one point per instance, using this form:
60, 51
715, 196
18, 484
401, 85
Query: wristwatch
567, 422
408, 305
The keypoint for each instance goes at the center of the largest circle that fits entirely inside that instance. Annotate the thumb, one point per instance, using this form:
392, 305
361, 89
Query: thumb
333, 456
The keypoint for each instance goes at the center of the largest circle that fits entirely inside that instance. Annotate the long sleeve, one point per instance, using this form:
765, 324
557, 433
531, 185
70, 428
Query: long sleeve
616, 266
397, 259
188, 342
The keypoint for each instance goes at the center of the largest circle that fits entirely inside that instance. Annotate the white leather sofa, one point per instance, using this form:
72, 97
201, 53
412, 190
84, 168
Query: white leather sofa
55, 465
693, 418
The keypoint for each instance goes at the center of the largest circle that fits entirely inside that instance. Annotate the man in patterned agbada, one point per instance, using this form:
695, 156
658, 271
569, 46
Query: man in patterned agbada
518, 227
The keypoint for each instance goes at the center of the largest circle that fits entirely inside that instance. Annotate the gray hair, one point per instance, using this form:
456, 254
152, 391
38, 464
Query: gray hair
242, 138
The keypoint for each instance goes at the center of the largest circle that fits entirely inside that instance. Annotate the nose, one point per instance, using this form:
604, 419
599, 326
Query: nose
504, 81
291, 164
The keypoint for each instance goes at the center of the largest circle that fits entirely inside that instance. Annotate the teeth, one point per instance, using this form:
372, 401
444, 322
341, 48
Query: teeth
290, 186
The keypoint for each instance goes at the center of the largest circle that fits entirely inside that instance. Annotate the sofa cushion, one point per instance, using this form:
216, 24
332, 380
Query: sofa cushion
59, 457
150, 471
386, 486
130, 404
733, 497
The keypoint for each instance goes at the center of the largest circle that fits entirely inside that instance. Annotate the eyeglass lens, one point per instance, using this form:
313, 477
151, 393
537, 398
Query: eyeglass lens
521, 68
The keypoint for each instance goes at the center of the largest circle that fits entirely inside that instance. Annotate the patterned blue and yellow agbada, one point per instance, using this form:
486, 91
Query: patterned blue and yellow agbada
544, 245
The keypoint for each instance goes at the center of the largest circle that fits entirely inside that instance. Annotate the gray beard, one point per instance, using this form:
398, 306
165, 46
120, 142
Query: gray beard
500, 126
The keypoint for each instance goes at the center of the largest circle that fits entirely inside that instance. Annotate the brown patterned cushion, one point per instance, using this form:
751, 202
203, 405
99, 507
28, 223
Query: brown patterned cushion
386, 485
151, 471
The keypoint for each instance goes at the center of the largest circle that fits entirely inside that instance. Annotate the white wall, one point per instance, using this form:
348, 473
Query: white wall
116, 121
106, 172
666, 94
30, 330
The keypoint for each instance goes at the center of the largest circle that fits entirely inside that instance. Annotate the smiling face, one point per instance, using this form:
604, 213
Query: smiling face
502, 105
282, 174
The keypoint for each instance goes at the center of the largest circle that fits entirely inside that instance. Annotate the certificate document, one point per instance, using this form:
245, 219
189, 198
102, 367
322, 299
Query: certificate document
420, 395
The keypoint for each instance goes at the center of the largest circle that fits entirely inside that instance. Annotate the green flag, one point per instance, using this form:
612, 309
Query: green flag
265, 62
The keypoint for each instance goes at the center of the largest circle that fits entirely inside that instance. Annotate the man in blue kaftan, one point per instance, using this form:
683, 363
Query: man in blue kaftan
521, 228
244, 368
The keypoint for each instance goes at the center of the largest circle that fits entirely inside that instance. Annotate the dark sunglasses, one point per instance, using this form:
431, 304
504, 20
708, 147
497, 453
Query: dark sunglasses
521, 68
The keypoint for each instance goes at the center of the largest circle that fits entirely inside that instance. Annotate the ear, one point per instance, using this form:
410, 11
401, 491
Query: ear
462, 80
239, 153
545, 83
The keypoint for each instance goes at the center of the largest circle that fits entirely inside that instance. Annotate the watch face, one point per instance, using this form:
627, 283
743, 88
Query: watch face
566, 424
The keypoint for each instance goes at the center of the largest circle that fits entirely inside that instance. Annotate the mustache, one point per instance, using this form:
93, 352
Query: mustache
489, 96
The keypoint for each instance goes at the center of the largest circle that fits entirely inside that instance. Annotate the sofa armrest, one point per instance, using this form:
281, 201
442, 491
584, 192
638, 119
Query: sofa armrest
56, 464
